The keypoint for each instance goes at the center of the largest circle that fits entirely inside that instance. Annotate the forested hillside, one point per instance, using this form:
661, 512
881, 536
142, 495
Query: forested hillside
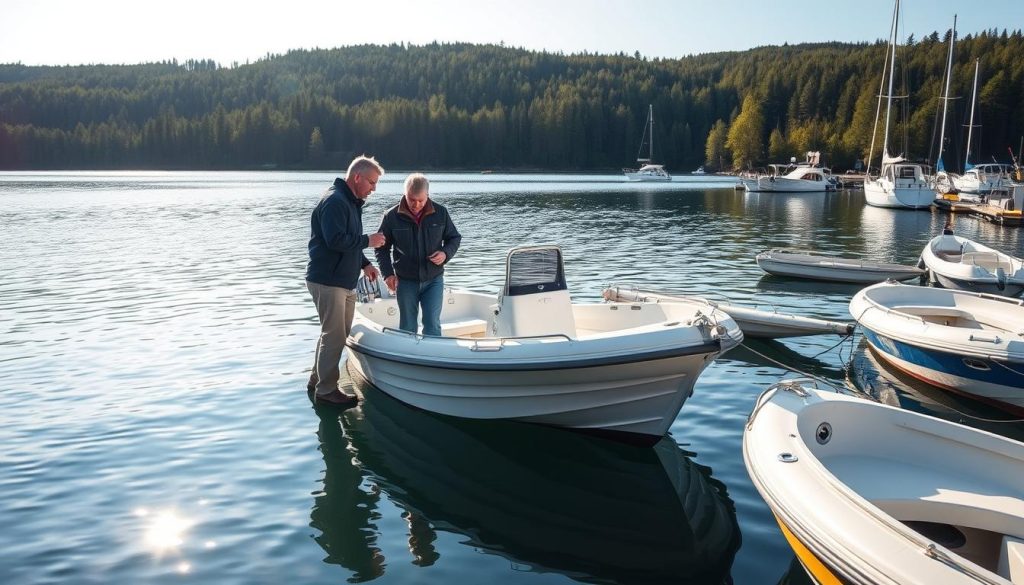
485, 106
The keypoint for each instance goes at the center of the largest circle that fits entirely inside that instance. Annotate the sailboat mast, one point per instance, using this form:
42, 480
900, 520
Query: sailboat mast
970, 126
650, 127
892, 73
945, 99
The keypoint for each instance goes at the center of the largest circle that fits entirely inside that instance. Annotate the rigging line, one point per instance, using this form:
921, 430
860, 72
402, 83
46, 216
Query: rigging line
791, 369
841, 341
1008, 368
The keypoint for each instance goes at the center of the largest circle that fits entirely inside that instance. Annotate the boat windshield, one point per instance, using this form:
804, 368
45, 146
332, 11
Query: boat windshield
532, 270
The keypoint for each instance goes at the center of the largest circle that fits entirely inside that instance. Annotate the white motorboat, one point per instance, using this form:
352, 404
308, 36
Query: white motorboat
866, 493
753, 322
983, 179
648, 171
900, 183
959, 263
698, 171
965, 342
530, 354
819, 266
806, 177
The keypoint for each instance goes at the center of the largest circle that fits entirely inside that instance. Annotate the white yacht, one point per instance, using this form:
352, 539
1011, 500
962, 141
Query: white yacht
806, 177
983, 179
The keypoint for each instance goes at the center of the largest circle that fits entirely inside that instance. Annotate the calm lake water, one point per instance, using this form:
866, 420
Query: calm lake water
155, 341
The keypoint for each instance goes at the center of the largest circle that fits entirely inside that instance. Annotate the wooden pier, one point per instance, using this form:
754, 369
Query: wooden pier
997, 215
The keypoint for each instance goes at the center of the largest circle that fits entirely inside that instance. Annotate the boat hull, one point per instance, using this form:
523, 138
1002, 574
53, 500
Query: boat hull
637, 401
623, 370
979, 378
647, 177
1009, 290
784, 185
836, 269
884, 194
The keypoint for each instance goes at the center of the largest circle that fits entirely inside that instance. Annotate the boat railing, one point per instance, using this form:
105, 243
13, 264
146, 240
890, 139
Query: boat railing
645, 296
796, 386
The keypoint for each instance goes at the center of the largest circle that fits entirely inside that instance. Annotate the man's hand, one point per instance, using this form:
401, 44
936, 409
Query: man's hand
392, 283
376, 240
438, 257
371, 273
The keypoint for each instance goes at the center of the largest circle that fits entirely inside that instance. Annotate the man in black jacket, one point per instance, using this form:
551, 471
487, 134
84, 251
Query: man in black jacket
420, 239
336, 244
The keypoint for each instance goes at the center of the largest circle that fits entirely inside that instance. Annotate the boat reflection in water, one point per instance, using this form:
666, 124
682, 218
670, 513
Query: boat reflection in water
550, 500
795, 575
888, 385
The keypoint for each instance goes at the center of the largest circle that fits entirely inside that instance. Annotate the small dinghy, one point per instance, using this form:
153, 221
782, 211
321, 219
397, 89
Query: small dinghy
969, 343
820, 266
753, 322
959, 263
869, 494
530, 354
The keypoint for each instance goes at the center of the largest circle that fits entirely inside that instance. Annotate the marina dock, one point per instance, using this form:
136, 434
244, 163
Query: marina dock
996, 214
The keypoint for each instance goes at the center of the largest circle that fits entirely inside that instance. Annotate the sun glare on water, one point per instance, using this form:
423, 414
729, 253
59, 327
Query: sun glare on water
166, 530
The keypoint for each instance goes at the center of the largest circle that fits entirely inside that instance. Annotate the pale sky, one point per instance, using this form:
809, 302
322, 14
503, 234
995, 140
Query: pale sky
59, 32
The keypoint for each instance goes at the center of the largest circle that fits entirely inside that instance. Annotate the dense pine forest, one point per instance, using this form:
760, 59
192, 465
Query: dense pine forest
460, 106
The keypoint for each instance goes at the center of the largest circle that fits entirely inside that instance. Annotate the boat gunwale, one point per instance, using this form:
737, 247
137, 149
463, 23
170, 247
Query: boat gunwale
1000, 352
716, 347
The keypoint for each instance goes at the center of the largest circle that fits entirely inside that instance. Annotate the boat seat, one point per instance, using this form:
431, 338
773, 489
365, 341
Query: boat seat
986, 260
464, 328
912, 492
933, 311
536, 315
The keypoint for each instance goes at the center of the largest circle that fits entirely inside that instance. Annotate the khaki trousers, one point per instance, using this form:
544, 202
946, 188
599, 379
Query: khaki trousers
336, 307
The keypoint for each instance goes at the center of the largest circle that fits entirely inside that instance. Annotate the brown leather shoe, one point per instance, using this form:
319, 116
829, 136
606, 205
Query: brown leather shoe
336, 398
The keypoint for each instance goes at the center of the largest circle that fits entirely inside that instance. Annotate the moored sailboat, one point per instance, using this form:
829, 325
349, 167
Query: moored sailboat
900, 183
648, 171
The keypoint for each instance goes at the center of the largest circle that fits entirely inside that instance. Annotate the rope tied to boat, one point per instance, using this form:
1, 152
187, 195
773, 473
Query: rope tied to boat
794, 385
933, 552
1018, 372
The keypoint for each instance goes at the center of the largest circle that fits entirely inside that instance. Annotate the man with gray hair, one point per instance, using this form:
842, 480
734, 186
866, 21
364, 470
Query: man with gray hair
336, 244
420, 239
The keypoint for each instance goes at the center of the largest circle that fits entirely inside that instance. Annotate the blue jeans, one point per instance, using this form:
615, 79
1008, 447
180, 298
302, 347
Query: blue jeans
412, 294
